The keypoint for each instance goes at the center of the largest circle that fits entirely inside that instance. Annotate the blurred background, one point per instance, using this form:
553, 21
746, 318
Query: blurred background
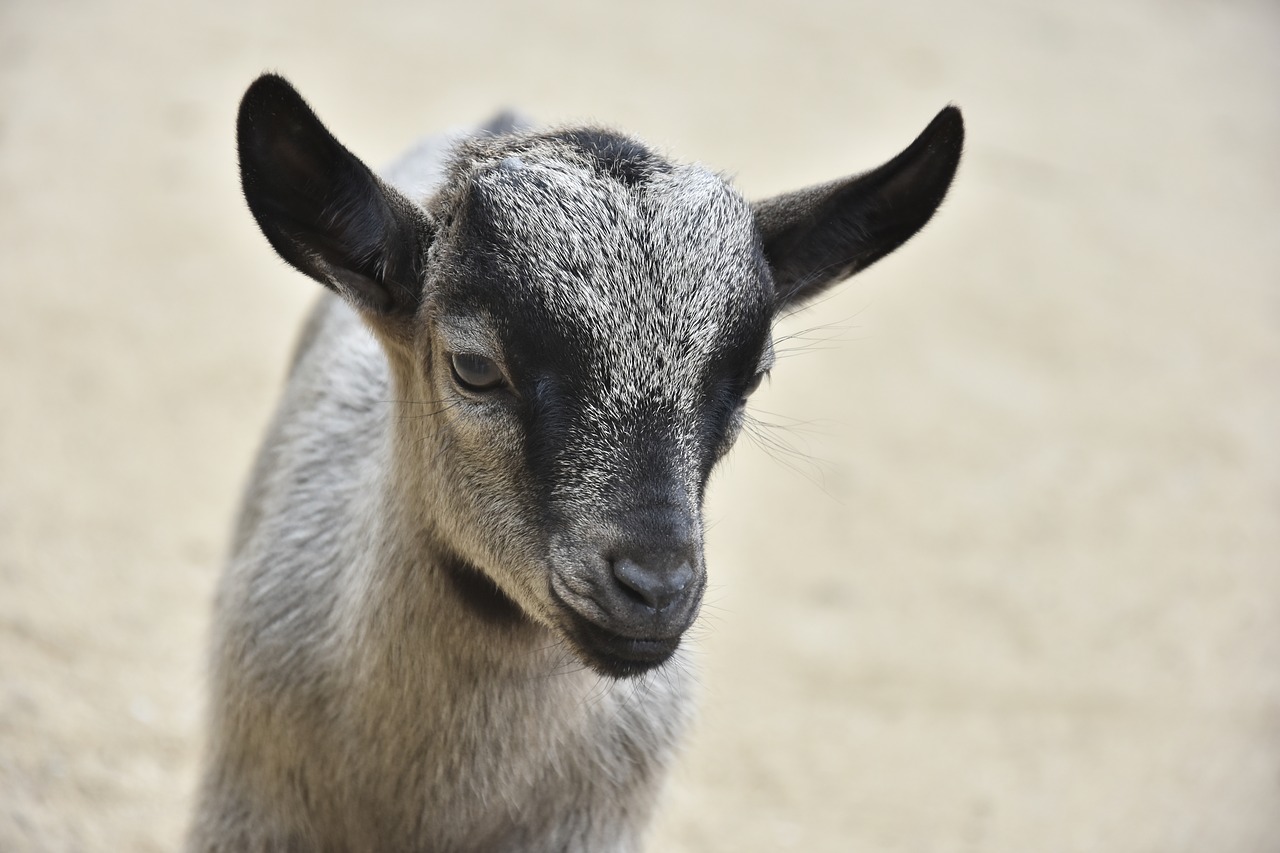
1012, 584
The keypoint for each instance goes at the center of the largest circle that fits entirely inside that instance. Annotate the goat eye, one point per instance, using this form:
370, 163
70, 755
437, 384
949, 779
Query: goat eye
475, 372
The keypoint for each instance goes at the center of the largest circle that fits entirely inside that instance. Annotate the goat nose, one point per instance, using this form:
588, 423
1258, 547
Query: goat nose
655, 585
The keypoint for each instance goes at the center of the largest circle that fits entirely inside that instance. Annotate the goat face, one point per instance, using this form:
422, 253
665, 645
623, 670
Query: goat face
595, 337
587, 319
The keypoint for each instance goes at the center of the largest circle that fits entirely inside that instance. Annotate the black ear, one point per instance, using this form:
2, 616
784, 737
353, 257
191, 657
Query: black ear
817, 236
322, 209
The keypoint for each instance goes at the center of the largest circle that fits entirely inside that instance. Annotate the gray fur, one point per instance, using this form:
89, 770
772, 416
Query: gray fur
358, 707
426, 582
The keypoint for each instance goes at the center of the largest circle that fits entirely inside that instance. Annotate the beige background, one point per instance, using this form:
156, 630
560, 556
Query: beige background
1021, 591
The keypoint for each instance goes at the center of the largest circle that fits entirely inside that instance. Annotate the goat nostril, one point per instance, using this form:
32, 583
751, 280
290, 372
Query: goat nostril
654, 587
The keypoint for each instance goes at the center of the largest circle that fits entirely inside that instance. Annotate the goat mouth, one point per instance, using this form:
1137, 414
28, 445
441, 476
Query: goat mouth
617, 656
612, 654
611, 650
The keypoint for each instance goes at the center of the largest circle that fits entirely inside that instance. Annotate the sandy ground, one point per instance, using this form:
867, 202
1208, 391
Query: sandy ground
1019, 591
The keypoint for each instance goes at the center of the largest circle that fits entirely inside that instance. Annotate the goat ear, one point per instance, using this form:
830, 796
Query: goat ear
817, 236
322, 209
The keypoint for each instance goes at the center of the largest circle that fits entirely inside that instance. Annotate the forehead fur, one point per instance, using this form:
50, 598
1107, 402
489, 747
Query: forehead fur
642, 263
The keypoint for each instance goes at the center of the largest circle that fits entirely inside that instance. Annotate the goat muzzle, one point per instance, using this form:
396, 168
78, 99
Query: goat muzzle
626, 606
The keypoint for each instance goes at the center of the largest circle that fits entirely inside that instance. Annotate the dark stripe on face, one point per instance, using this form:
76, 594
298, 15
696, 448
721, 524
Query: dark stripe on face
479, 594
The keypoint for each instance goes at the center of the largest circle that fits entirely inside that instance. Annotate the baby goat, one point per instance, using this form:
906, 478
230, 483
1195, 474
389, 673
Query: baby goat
473, 540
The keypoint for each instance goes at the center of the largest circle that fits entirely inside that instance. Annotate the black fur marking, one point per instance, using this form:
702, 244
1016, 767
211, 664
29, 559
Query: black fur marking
623, 159
554, 367
480, 594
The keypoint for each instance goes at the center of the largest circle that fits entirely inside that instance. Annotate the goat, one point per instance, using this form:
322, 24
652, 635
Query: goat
472, 543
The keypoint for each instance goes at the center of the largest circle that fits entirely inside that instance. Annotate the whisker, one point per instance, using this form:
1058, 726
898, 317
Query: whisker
769, 437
